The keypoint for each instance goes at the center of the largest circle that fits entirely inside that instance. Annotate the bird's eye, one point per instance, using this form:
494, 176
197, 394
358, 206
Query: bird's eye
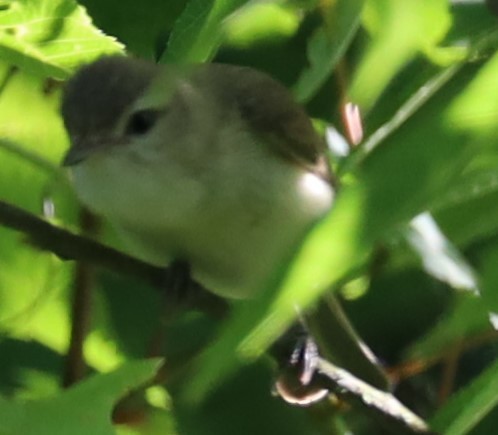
141, 122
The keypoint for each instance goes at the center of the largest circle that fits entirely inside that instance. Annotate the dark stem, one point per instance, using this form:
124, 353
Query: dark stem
450, 368
69, 246
83, 284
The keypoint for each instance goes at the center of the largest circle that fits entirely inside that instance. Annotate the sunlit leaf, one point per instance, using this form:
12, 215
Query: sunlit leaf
50, 37
198, 31
327, 45
399, 30
258, 23
476, 109
30, 144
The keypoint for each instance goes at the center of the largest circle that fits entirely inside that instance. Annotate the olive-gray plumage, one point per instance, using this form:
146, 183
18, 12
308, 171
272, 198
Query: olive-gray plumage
212, 164
97, 95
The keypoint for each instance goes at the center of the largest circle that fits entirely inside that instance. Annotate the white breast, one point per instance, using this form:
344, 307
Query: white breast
236, 218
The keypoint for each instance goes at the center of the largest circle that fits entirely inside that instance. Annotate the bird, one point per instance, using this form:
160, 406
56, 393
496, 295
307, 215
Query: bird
212, 165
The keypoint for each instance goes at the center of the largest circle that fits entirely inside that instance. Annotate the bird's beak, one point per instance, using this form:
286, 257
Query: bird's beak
80, 150
74, 156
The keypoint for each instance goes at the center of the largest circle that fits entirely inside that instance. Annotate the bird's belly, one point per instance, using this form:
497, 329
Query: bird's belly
235, 250
227, 260
237, 237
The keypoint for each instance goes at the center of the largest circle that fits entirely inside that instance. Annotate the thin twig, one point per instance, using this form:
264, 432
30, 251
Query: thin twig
450, 368
416, 366
83, 284
69, 246
382, 405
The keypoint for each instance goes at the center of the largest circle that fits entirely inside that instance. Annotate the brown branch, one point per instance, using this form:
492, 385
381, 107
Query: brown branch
414, 367
450, 368
69, 246
82, 295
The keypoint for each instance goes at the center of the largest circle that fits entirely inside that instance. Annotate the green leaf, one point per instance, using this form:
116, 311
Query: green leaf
489, 274
327, 45
475, 110
50, 37
152, 23
198, 31
399, 30
473, 195
469, 406
260, 22
472, 199
84, 409
467, 317
31, 142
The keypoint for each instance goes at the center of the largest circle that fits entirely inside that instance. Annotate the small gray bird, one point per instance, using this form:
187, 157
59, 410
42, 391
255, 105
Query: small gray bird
214, 165
211, 164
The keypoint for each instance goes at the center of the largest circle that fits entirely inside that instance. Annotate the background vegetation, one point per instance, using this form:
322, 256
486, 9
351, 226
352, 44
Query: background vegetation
411, 245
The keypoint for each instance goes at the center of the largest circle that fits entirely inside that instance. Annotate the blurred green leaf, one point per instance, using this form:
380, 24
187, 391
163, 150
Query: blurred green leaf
258, 23
399, 30
157, 422
475, 110
31, 142
327, 45
83, 409
467, 318
152, 22
471, 20
50, 38
489, 273
222, 413
470, 210
420, 96
198, 31
469, 406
